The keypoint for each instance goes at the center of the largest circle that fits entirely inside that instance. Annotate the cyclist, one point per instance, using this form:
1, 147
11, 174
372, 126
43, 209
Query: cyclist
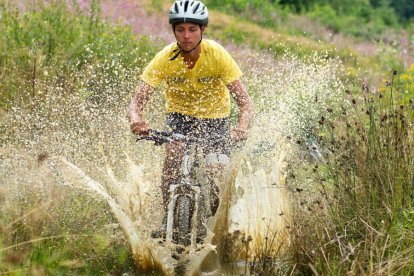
199, 77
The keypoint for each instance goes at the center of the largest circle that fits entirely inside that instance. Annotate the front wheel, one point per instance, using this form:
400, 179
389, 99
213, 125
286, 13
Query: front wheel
182, 221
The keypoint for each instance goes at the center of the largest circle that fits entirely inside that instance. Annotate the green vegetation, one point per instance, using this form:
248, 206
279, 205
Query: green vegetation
66, 234
66, 255
406, 81
358, 211
355, 206
46, 43
268, 25
242, 32
346, 17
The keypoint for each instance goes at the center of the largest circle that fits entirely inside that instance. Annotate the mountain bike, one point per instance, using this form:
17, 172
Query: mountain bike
188, 205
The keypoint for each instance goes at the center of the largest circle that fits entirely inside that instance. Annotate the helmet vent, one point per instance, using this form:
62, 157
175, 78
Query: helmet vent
186, 6
175, 7
196, 8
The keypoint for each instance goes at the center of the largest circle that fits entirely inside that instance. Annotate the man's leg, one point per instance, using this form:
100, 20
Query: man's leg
174, 152
172, 169
170, 174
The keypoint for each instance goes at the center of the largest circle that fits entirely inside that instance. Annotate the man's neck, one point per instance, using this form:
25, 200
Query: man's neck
191, 58
193, 55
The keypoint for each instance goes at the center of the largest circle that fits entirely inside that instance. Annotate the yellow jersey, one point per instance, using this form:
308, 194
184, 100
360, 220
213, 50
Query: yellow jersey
201, 91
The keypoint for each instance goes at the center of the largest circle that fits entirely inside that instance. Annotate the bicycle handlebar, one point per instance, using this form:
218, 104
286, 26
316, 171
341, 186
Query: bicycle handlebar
162, 137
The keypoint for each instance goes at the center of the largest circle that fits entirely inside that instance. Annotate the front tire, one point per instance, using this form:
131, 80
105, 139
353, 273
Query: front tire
182, 221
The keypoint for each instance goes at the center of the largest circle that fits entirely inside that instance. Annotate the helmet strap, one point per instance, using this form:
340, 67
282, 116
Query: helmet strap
184, 51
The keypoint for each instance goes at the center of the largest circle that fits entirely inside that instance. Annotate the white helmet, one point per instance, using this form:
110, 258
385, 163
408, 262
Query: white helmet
188, 11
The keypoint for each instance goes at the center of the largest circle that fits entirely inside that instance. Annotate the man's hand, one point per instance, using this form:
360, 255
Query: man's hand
238, 134
140, 128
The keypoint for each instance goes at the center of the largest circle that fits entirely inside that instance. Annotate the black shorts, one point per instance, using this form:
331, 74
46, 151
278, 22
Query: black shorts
205, 129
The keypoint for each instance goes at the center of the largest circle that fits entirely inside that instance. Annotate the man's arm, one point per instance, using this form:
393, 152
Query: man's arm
137, 123
245, 106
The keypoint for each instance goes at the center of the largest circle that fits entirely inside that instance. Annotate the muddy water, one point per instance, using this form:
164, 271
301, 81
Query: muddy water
126, 176
254, 206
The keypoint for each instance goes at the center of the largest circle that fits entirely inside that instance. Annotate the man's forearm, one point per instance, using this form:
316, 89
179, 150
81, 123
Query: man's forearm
135, 109
245, 115
138, 102
244, 104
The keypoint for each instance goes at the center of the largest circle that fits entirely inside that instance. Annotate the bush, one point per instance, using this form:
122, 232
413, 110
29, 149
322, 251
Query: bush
341, 16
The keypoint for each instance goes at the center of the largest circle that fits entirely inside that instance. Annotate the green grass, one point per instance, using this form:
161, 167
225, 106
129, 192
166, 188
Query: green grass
65, 234
243, 32
48, 53
63, 255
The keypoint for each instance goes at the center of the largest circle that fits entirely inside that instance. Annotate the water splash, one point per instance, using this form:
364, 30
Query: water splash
147, 257
129, 200
261, 206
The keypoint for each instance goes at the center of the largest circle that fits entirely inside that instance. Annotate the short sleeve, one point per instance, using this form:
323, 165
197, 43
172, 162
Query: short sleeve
153, 73
230, 69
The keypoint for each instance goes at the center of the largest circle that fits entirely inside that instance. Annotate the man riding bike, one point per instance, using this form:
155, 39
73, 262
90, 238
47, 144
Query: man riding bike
199, 77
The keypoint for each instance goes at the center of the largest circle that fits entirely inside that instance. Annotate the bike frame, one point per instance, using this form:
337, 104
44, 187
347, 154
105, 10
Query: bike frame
187, 187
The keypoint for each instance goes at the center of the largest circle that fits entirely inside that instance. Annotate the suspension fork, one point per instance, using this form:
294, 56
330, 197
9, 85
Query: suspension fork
186, 187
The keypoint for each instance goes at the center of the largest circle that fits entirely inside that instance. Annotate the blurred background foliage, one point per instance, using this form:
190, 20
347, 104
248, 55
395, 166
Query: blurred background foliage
341, 16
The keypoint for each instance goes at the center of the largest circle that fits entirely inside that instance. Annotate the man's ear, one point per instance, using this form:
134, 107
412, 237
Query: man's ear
203, 28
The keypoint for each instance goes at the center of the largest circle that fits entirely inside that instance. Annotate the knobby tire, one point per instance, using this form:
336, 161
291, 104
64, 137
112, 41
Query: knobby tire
183, 220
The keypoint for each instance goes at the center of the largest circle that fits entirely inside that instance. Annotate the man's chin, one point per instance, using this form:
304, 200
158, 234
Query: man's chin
187, 46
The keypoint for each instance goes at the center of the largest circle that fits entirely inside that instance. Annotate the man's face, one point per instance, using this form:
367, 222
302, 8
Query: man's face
188, 35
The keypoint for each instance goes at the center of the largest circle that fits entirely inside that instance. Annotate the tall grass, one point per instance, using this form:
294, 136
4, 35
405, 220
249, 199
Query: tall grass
357, 215
49, 229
